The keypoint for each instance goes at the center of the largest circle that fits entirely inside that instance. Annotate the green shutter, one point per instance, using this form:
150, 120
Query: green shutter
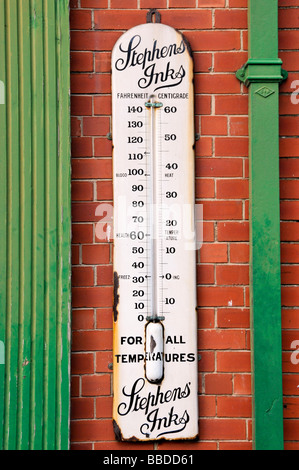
35, 224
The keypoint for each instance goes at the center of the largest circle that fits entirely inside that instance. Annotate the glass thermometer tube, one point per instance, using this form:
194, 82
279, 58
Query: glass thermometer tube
154, 331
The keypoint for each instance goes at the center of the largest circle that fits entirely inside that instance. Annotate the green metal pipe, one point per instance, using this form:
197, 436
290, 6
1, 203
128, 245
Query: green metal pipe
262, 74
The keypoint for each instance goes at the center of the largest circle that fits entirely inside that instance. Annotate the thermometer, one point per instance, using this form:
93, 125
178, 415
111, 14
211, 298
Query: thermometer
154, 339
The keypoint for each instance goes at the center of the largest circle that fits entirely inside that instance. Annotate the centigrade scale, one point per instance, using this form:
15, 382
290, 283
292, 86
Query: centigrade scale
155, 385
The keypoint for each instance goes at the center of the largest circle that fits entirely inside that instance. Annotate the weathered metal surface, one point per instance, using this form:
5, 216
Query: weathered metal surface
155, 349
263, 74
35, 224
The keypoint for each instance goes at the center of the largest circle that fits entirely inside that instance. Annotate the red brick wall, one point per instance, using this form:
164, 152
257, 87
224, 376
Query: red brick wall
217, 31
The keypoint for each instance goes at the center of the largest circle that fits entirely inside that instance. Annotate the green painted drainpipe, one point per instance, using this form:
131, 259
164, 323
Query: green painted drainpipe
262, 74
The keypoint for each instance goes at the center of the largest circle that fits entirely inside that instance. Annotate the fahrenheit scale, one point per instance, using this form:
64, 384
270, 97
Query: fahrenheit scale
155, 348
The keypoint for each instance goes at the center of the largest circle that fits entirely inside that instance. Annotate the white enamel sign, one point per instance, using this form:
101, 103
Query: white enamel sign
155, 330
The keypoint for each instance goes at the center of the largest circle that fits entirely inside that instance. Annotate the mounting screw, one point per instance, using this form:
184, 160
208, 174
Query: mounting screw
197, 137
110, 366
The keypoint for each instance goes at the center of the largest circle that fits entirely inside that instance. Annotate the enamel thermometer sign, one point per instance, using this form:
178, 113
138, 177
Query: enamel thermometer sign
155, 330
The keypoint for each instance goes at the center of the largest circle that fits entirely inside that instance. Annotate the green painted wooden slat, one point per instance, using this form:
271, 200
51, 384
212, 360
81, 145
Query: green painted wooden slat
263, 74
3, 212
25, 222
35, 228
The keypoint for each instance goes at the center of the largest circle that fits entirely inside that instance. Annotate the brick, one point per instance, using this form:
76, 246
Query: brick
75, 386
288, 125
214, 41
93, 40
104, 317
153, 4
188, 19
90, 83
117, 19
82, 363
103, 359
234, 407
81, 147
219, 167
288, 147
82, 276
238, 126
81, 105
239, 253
211, 3
291, 407
235, 446
216, 84
82, 408
204, 188
229, 61
221, 339
104, 407
289, 168
232, 231
205, 274
182, 3
102, 147
196, 446
232, 189
81, 61
213, 253
82, 233
104, 190
242, 384
205, 318
91, 168
102, 105
82, 191
214, 125
233, 317
85, 212
233, 361
82, 319
290, 60
290, 318
96, 254
218, 384
92, 340
204, 147
231, 19
289, 210
94, 3
289, 296
92, 296
122, 4
288, 39
105, 275
232, 275
290, 384
75, 254
203, 104
75, 126
231, 146
80, 19
289, 231
96, 125
208, 231
289, 189
237, 104
289, 253
207, 406
221, 210
207, 361
224, 429
237, 3
92, 430
102, 62
220, 296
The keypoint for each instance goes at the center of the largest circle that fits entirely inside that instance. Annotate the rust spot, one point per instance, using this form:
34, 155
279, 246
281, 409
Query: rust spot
115, 295
153, 344
117, 431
